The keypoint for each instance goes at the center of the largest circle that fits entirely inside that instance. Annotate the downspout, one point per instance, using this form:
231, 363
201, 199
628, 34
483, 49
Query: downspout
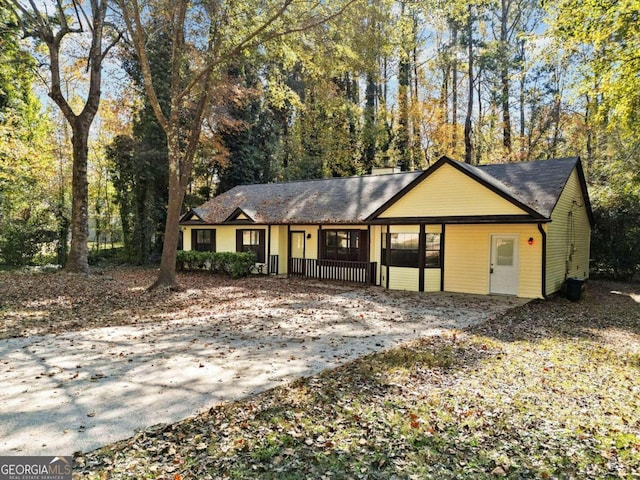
388, 243
269, 250
443, 240
289, 250
544, 260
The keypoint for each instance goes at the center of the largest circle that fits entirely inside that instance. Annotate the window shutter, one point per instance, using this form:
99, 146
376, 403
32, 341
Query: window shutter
213, 241
194, 239
239, 240
261, 247
363, 245
323, 244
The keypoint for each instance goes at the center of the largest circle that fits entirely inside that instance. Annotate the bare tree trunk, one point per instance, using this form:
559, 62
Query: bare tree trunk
524, 151
167, 274
444, 94
418, 154
52, 30
468, 144
78, 259
589, 132
454, 89
504, 75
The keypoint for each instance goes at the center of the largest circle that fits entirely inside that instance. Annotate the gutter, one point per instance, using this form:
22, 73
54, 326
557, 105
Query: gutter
544, 261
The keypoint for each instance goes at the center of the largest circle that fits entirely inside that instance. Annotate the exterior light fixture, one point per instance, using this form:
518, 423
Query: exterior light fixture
530, 241
308, 235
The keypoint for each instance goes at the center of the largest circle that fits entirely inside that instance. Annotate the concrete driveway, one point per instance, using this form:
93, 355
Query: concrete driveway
80, 390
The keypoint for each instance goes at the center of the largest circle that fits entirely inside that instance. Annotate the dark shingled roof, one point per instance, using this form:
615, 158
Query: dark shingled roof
536, 184
332, 200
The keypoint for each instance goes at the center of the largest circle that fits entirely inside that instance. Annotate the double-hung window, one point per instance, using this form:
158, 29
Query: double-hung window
251, 241
203, 240
432, 250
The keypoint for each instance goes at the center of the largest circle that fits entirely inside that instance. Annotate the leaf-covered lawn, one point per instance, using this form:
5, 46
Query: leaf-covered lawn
548, 390
54, 302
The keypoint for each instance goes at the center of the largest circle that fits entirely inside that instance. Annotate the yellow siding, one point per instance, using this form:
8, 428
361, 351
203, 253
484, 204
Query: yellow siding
226, 238
311, 244
568, 237
467, 256
225, 235
402, 278
279, 246
375, 250
449, 192
186, 235
432, 280
405, 229
186, 238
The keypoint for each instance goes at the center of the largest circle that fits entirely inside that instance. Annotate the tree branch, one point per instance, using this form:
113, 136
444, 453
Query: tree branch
134, 27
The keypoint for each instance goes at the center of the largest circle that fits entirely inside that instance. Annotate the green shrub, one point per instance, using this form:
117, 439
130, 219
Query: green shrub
21, 240
107, 257
235, 264
615, 248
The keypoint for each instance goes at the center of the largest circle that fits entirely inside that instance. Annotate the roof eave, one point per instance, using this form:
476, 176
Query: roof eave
460, 219
583, 187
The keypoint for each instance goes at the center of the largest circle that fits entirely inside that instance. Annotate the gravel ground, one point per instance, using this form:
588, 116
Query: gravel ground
86, 361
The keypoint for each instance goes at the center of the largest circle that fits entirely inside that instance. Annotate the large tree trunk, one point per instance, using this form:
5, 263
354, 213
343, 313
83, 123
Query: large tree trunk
167, 274
77, 261
52, 30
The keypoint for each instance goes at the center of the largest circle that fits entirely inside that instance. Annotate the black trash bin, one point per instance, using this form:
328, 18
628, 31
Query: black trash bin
574, 288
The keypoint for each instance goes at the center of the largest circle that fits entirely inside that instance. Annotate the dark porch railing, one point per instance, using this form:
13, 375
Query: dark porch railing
273, 264
357, 272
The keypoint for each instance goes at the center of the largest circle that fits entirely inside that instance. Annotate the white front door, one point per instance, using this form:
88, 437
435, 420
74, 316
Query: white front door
504, 264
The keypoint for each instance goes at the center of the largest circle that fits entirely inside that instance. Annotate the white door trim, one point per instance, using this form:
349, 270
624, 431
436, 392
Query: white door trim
504, 271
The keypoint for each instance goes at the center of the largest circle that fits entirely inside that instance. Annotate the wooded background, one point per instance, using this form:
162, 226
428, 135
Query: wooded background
180, 101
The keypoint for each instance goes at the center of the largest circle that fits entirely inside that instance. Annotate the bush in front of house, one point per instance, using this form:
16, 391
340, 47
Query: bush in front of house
235, 264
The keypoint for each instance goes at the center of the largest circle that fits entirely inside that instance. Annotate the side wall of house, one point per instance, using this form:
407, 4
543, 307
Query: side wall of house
467, 258
568, 237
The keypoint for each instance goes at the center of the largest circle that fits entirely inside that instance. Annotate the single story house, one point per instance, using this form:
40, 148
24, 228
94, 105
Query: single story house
514, 229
